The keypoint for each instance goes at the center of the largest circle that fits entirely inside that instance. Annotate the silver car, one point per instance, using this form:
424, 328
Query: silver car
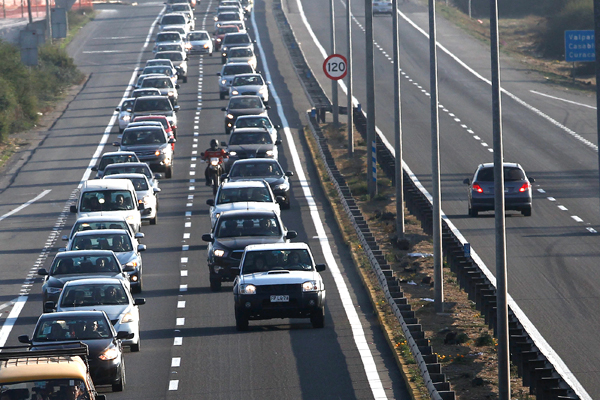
124, 110
113, 157
517, 189
179, 60
228, 72
146, 193
249, 84
242, 54
174, 20
165, 86
226, 17
382, 7
167, 38
199, 42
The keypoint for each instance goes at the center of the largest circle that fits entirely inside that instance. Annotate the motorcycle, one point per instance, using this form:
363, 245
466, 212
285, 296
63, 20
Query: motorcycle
215, 171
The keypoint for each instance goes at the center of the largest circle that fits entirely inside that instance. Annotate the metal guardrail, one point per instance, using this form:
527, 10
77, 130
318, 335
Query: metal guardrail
534, 367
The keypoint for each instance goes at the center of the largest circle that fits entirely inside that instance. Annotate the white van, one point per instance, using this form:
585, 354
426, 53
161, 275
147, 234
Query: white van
109, 197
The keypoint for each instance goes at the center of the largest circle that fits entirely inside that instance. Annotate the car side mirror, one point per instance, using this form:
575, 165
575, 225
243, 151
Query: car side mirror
223, 108
122, 335
176, 108
141, 206
62, 249
279, 199
118, 109
116, 144
320, 267
268, 82
157, 190
129, 109
73, 209
218, 74
94, 168
208, 237
42, 272
24, 339
223, 144
223, 177
289, 173
267, 107
141, 247
277, 126
210, 202
100, 397
291, 234
139, 235
467, 181
139, 302
278, 142
49, 307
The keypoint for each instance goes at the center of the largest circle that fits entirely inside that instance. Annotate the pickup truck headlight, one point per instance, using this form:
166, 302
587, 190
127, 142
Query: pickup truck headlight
132, 264
311, 286
130, 218
247, 289
219, 253
206, 46
160, 151
270, 153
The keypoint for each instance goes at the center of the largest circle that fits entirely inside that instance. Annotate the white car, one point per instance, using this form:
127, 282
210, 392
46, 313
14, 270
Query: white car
249, 84
174, 20
279, 281
382, 7
257, 121
168, 37
146, 193
227, 17
101, 222
108, 295
242, 195
186, 10
124, 110
199, 42
243, 54
228, 72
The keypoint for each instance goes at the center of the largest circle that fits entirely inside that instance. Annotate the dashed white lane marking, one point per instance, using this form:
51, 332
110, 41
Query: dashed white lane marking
188, 224
192, 188
177, 341
180, 321
181, 304
183, 288
26, 204
564, 100
592, 230
563, 208
541, 190
576, 218
102, 51
185, 247
551, 199
184, 260
186, 235
188, 213
176, 362
184, 272
173, 385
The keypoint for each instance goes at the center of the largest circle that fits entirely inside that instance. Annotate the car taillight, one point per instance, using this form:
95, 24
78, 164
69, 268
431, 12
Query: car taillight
525, 187
477, 188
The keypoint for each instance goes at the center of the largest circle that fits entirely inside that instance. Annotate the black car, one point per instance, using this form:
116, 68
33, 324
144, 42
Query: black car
265, 169
114, 157
152, 146
251, 143
243, 105
92, 328
80, 264
233, 231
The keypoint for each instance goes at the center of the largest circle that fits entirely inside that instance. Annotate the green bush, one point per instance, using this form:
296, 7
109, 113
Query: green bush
575, 15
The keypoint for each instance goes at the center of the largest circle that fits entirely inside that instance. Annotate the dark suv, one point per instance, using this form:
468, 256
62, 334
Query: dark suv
233, 231
151, 144
243, 105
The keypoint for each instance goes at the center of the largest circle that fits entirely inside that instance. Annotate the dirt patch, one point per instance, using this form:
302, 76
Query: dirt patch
460, 336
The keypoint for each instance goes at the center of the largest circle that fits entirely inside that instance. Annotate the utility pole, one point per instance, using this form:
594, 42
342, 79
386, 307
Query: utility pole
29, 11
597, 43
371, 144
438, 272
350, 123
501, 289
334, 84
398, 125
49, 20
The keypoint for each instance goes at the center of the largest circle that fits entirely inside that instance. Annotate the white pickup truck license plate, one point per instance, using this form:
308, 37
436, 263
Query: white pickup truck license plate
280, 298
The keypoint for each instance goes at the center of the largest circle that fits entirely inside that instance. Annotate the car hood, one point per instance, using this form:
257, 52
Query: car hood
95, 346
113, 312
143, 147
154, 112
241, 242
279, 277
246, 111
271, 180
60, 280
125, 256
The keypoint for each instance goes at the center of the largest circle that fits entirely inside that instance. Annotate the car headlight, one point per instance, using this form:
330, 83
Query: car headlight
132, 264
310, 286
223, 81
188, 46
206, 46
159, 152
54, 290
270, 153
224, 54
109, 354
283, 186
235, 92
171, 94
219, 253
128, 317
229, 116
218, 39
126, 117
233, 153
247, 289
216, 19
130, 218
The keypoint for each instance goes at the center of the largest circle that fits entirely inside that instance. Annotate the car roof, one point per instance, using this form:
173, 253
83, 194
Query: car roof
244, 184
130, 164
278, 246
247, 74
253, 161
92, 232
168, 52
93, 281
68, 314
125, 176
236, 64
143, 123
145, 117
101, 184
118, 153
506, 164
85, 253
252, 129
128, 99
156, 125
243, 213
101, 218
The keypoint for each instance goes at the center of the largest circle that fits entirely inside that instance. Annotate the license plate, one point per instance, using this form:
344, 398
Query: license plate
280, 298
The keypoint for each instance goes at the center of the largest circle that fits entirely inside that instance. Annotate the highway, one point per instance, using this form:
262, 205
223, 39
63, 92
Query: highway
189, 346
550, 131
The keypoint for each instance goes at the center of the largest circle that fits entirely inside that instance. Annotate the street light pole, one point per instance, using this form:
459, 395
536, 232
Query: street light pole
350, 123
334, 83
371, 144
597, 43
398, 126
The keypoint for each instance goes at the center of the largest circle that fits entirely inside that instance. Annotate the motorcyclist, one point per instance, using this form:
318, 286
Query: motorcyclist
213, 152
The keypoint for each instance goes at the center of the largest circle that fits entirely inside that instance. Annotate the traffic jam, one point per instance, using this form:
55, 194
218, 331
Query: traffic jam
93, 289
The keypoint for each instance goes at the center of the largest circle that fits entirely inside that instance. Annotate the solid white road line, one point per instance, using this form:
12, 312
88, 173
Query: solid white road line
22, 206
563, 100
357, 329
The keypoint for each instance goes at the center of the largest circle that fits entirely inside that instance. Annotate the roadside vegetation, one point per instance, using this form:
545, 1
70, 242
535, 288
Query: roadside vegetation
28, 92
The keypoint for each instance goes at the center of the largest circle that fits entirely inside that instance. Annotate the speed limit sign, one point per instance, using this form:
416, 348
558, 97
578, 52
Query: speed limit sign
334, 67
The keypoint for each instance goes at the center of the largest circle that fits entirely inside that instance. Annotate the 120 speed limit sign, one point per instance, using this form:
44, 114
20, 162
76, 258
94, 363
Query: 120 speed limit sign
334, 67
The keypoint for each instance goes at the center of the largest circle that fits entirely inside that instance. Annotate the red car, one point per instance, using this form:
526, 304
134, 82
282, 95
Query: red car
171, 130
221, 32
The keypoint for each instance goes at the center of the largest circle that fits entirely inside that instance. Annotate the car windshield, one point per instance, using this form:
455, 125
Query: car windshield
143, 137
156, 61
93, 295
227, 29
126, 169
238, 103
237, 69
271, 260
241, 52
106, 200
180, 7
234, 195
511, 174
89, 226
60, 389
139, 183
254, 122
250, 138
116, 242
72, 328
116, 159
159, 83
173, 56
263, 169
198, 36
235, 39
248, 226
161, 104
173, 20
247, 80
168, 37
86, 264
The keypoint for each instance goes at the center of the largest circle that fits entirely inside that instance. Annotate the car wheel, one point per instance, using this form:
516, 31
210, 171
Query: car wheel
215, 284
119, 386
317, 319
526, 212
222, 95
185, 79
473, 212
169, 172
136, 346
241, 321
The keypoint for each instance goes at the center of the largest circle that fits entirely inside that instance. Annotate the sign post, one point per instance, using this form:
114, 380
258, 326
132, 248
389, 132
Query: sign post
335, 67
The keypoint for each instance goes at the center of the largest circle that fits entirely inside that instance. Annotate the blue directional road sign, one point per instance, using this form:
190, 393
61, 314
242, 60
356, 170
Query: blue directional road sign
579, 46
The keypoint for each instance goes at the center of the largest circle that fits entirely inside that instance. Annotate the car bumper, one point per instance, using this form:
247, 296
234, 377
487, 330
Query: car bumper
156, 163
200, 50
300, 305
382, 10
226, 269
510, 203
105, 372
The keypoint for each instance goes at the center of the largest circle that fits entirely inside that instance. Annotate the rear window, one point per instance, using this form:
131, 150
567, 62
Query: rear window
511, 174
173, 20
160, 104
168, 37
237, 69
